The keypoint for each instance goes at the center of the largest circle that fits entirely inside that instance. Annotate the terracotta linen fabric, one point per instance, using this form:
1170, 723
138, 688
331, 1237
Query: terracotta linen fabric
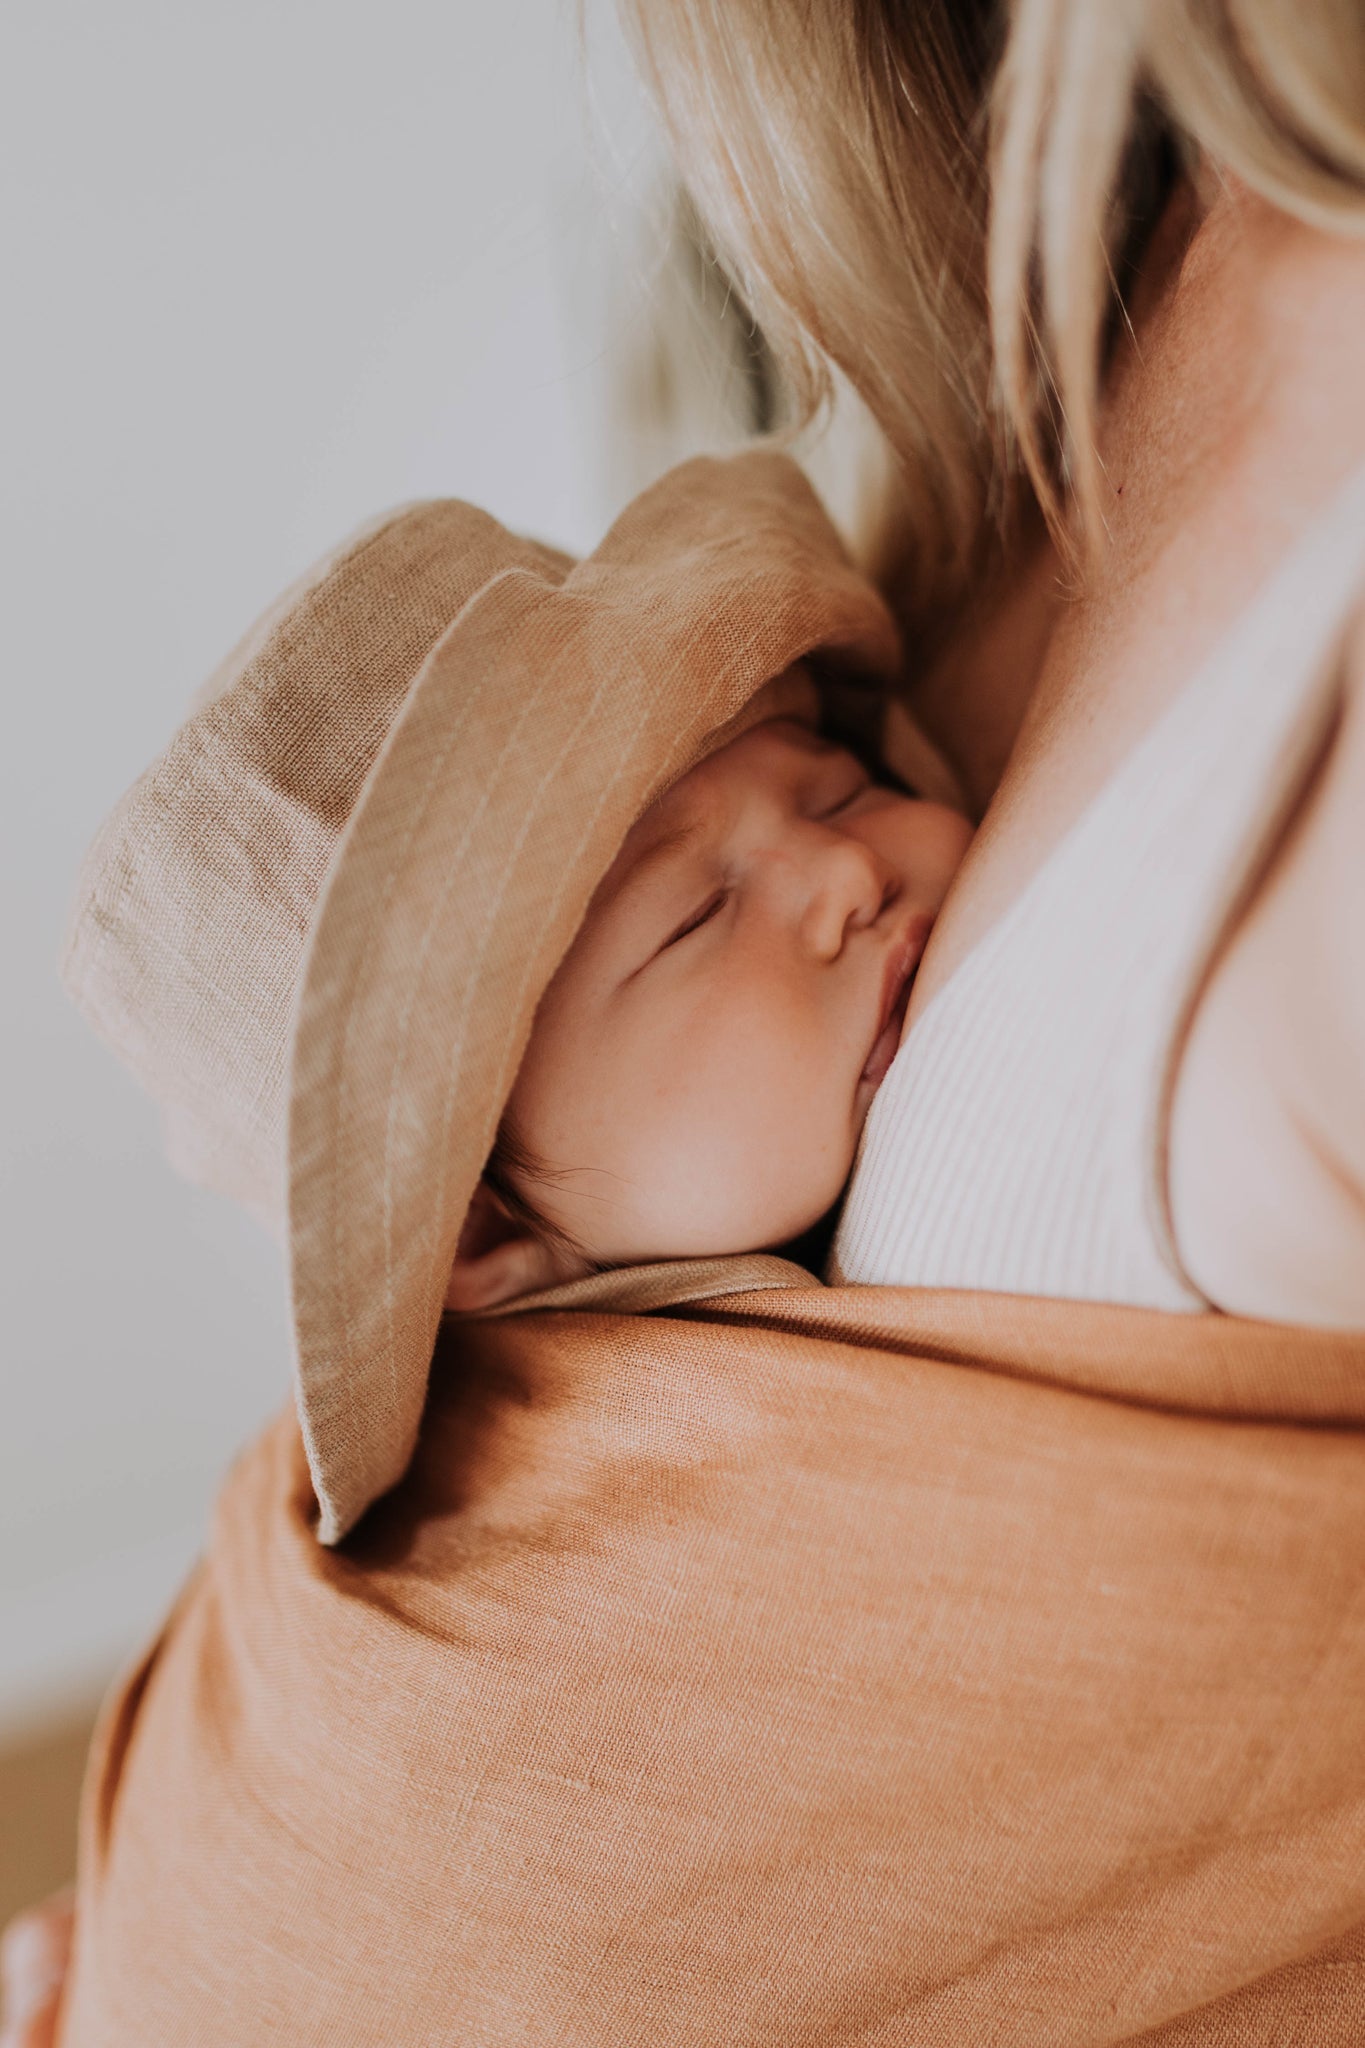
794, 1666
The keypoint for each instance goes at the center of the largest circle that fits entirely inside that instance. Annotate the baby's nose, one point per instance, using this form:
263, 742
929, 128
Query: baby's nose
851, 885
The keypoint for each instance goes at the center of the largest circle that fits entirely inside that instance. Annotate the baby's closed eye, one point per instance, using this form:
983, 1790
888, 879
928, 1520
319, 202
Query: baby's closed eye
714, 904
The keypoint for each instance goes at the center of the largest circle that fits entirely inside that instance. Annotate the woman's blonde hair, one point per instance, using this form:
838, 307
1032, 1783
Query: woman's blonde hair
945, 197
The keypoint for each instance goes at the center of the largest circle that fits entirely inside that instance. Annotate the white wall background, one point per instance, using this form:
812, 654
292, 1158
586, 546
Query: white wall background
267, 268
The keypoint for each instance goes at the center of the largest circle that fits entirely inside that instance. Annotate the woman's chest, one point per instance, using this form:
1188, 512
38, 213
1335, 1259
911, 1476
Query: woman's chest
1117, 893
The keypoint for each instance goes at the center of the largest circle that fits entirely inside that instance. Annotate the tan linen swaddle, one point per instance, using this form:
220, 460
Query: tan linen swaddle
735, 1660
801, 1667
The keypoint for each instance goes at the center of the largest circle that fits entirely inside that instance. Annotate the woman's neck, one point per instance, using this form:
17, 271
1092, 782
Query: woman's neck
1233, 413
1234, 408
1238, 400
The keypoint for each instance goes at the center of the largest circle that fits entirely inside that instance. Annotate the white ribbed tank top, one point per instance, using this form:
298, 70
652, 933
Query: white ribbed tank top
1018, 1142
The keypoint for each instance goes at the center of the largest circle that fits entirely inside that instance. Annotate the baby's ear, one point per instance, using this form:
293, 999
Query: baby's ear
498, 1258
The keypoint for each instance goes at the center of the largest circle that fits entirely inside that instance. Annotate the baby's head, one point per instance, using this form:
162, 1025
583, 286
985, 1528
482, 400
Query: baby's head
422, 871
701, 1065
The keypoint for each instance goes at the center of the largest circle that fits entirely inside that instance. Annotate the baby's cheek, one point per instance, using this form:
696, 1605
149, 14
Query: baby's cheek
782, 1153
742, 1139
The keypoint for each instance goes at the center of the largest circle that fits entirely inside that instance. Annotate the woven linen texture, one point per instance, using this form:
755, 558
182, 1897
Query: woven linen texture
805, 1667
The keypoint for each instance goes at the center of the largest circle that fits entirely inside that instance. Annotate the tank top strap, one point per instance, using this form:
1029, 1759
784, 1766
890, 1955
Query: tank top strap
1018, 1142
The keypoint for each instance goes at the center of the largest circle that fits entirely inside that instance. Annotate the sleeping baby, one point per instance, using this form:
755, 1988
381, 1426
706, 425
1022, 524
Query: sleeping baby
701, 1065
495, 920
492, 920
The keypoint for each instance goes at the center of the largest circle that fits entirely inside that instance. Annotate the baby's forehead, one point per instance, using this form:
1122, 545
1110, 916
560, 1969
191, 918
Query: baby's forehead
764, 755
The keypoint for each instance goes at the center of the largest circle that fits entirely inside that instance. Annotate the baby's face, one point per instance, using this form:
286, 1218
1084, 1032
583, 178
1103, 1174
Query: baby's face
700, 1067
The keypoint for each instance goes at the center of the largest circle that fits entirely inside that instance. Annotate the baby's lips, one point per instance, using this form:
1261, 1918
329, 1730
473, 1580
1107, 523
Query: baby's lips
897, 983
887, 1046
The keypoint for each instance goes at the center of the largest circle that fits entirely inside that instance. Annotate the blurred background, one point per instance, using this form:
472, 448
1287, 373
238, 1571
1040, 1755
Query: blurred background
268, 269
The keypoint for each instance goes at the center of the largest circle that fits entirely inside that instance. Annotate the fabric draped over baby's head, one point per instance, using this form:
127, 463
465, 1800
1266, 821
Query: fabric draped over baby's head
317, 929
